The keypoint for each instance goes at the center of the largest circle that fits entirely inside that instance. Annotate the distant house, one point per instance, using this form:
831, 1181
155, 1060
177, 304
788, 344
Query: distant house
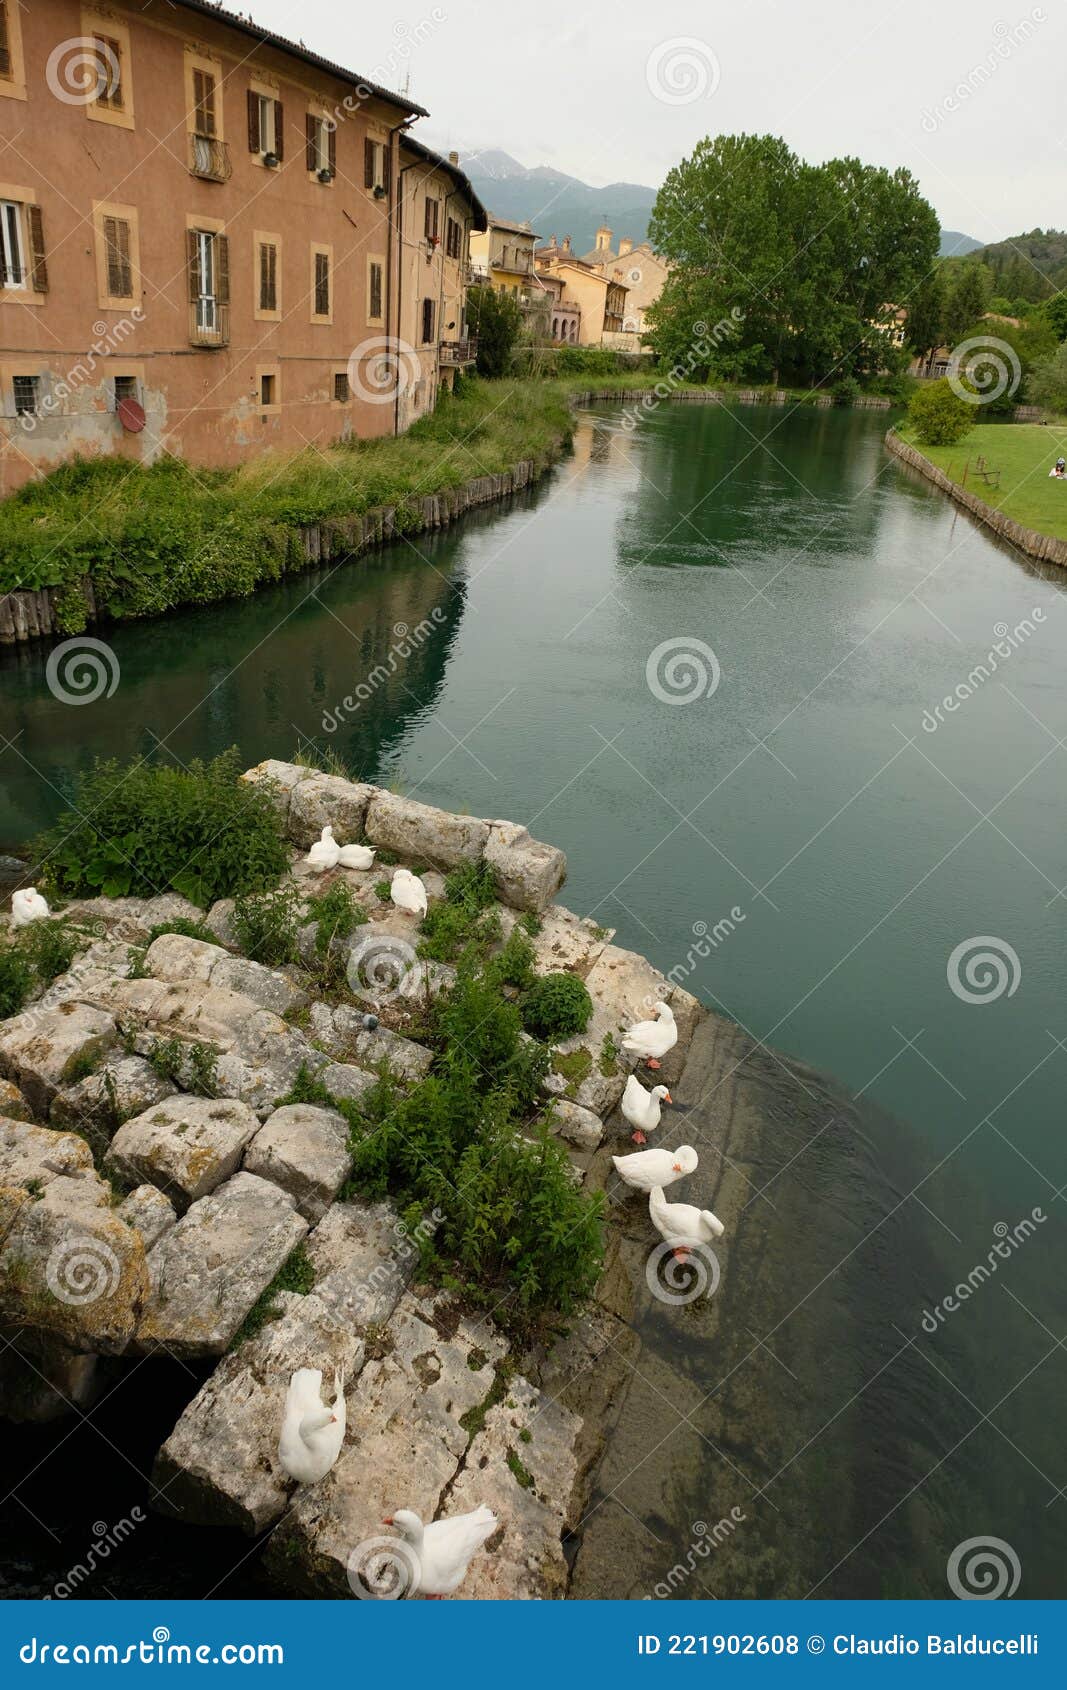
598, 299
502, 254
639, 269
439, 212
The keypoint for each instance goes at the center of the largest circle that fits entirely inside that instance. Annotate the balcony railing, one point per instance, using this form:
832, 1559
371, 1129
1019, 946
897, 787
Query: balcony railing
209, 323
209, 158
459, 351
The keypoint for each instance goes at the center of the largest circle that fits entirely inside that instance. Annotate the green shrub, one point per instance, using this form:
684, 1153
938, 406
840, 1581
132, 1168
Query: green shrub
187, 930
16, 981
556, 1007
938, 416
338, 913
50, 947
149, 828
515, 964
266, 925
461, 919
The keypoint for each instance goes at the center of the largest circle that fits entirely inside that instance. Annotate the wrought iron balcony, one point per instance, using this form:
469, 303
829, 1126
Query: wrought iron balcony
209, 323
458, 351
209, 158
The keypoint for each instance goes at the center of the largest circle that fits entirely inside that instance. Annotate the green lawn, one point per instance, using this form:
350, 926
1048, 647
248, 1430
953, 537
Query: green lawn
1024, 453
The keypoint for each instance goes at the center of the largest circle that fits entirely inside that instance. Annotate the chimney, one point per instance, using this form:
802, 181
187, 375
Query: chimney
603, 238
625, 245
453, 158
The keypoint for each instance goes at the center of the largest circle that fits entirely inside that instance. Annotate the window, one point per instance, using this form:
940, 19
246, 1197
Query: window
110, 92
12, 253
374, 291
373, 165
12, 70
125, 388
268, 276
209, 285
321, 304
6, 55
266, 125
340, 387
117, 258
454, 238
431, 214
205, 122
429, 312
267, 389
321, 149
25, 395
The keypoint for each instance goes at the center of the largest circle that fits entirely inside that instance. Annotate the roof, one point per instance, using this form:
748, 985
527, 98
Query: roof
481, 216
512, 228
297, 51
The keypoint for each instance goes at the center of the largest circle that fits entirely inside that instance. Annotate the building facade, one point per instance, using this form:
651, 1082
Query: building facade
638, 269
503, 255
201, 241
438, 214
598, 302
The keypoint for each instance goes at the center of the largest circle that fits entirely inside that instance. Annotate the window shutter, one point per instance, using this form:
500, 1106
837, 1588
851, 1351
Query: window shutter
331, 134
117, 252
203, 103
311, 131
5, 48
426, 217
222, 268
37, 259
272, 278
264, 296
253, 122
279, 130
192, 244
368, 163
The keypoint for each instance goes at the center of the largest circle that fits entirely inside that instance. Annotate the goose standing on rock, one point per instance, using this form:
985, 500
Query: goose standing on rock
325, 853
355, 856
312, 1434
642, 1108
682, 1225
408, 892
644, 1169
27, 906
445, 1548
649, 1040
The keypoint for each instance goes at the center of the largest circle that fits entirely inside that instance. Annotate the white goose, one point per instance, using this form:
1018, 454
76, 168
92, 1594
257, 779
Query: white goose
312, 1434
444, 1549
642, 1108
644, 1169
27, 906
325, 853
408, 892
649, 1040
682, 1225
355, 856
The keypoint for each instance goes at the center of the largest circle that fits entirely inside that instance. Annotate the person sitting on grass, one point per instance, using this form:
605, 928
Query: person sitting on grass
1059, 469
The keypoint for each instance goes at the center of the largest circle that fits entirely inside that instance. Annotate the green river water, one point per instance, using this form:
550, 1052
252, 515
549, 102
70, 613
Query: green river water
852, 840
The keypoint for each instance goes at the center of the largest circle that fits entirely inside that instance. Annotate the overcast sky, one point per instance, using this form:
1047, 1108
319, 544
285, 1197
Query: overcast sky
967, 93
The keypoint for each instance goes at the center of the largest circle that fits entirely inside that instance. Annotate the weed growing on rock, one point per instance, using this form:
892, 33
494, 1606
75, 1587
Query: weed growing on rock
465, 917
266, 923
556, 1006
295, 1274
16, 981
186, 929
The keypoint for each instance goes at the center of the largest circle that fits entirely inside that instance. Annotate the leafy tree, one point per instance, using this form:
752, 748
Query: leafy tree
938, 416
926, 313
1055, 314
1048, 380
496, 318
968, 299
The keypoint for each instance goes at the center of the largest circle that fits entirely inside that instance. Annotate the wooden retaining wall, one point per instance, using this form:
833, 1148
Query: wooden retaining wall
1028, 540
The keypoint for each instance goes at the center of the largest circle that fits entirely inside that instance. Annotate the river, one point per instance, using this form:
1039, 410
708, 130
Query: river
835, 837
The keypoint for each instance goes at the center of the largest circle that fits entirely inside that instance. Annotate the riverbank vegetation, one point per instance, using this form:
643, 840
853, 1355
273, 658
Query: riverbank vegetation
1013, 475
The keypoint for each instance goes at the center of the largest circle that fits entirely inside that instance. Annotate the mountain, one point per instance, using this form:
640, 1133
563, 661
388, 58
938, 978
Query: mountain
954, 245
1032, 266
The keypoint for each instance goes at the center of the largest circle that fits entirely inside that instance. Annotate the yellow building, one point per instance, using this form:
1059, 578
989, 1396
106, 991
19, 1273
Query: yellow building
503, 255
599, 300
641, 270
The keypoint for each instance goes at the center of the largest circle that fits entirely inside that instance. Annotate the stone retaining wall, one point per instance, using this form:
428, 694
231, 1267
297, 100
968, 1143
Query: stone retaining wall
1028, 540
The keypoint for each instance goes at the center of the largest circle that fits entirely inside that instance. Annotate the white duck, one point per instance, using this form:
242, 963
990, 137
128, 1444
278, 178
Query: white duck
445, 1548
682, 1225
312, 1434
27, 906
408, 892
644, 1169
649, 1040
642, 1108
355, 856
325, 853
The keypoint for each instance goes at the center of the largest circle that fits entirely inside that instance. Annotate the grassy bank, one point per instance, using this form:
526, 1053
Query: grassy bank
151, 539
1023, 453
